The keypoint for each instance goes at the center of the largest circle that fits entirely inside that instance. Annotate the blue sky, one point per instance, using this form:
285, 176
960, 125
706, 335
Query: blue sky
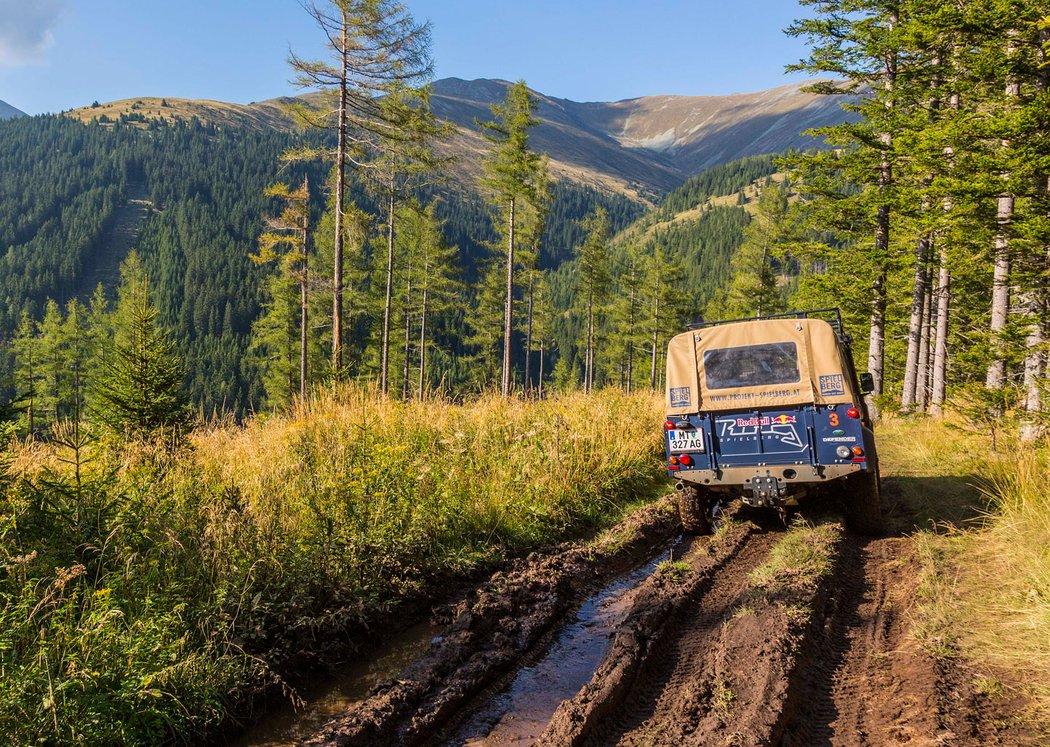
57, 54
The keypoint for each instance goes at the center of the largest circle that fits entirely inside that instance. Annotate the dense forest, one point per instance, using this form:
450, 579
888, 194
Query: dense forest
64, 183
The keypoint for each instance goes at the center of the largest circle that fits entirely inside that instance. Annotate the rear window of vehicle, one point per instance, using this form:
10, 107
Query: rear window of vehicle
751, 365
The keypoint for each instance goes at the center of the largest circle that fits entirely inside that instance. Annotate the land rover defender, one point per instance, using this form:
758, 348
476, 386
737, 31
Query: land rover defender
768, 410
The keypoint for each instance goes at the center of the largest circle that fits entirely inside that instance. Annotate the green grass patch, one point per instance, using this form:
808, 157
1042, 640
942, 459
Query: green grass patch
801, 558
981, 523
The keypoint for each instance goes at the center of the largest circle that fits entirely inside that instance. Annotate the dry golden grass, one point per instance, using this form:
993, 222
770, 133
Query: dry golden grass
984, 545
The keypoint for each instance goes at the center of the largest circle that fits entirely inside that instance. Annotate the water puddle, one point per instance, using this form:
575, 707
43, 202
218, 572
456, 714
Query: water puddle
285, 726
519, 713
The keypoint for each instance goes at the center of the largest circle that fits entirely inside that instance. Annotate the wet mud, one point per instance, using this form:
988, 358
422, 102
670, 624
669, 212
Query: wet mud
606, 645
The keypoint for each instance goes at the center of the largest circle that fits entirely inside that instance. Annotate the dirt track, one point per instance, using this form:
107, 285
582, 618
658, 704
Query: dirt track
698, 655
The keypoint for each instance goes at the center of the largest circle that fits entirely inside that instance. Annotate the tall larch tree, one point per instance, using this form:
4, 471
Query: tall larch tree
592, 268
405, 163
372, 46
515, 180
286, 242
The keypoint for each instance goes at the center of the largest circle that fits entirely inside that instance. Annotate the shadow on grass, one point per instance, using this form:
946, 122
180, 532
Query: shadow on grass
933, 503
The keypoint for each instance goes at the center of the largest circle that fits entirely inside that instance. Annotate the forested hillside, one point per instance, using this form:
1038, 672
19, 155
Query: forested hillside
62, 183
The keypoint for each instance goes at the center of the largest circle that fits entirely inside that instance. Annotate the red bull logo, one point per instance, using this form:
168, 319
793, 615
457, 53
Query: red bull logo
753, 422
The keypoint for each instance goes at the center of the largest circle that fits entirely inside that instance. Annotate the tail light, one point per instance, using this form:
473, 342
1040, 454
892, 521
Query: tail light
685, 460
673, 460
668, 426
853, 412
857, 451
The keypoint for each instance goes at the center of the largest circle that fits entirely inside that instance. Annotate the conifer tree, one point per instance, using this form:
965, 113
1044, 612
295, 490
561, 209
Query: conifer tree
290, 231
406, 163
665, 303
517, 182
27, 370
372, 45
626, 314
592, 267
141, 391
859, 41
753, 289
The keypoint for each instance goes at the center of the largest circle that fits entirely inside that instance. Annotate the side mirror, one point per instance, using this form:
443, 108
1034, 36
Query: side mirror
867, 383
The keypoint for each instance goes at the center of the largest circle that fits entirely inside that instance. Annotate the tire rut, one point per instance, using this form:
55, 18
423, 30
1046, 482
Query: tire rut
865, 681
674, 684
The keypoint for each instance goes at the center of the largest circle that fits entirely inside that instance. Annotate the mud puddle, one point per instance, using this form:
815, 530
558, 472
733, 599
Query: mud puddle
287, 725
519, 713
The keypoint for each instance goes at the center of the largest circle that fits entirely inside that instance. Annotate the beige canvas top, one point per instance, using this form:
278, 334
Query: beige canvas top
801, 355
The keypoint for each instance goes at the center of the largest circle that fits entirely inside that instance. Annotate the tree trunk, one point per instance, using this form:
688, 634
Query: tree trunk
304, 310
387, 299
422, 344
1000, 292
656, 341
1039, 308
922, 384
940, 347
340, 190
541, 370
630, 343
877, 338
1004, 213
588, 365
909, 397
508, 308
528, 339
408, 342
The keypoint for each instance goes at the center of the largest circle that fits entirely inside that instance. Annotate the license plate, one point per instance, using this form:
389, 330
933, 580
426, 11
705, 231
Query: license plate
686, 440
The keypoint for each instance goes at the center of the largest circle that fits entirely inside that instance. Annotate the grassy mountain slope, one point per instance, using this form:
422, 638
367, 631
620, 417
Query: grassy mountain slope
641, 147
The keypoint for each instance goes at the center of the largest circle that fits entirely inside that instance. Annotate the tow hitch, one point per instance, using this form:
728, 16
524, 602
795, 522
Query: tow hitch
766, 491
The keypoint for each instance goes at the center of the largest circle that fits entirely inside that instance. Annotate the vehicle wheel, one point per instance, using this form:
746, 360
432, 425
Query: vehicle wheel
864, 504
693, 510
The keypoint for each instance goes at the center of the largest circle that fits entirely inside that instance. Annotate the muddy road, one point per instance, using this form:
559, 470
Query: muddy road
762, 634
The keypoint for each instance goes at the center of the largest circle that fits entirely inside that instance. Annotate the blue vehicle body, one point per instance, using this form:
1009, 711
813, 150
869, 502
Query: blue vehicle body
815, 431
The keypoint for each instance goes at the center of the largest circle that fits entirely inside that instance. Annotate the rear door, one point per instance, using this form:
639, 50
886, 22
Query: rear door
774, 436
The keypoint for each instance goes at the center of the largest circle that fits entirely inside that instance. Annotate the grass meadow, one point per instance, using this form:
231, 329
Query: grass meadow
146, 590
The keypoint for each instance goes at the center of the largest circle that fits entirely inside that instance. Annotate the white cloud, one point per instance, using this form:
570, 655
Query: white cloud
25, 29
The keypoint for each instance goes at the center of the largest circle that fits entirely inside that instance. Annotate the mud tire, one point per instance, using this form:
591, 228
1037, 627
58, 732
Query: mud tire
864, 504
693, 510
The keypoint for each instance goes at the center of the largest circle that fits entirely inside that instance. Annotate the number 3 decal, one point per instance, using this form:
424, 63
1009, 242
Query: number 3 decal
833, 418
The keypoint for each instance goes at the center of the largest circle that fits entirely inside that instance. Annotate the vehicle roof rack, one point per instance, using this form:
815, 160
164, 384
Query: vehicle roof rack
835, 321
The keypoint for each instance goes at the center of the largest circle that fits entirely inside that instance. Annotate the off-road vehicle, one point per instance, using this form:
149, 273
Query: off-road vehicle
769, 409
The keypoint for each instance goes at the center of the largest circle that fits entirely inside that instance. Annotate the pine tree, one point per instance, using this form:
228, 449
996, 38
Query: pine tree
27, 370
859, 41
141, 391
592, 268
290, 231
406, 163
665, 304
516, 180
753, 289
372, 45
627, 335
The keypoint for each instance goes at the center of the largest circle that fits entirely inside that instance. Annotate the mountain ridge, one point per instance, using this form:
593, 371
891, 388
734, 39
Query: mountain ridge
7, 111
642, 146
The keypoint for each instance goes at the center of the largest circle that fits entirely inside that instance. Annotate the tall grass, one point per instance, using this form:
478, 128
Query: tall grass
1006, 579
983, 539
144, 594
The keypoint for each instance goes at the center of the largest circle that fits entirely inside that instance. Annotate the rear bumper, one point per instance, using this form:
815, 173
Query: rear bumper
743, 477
